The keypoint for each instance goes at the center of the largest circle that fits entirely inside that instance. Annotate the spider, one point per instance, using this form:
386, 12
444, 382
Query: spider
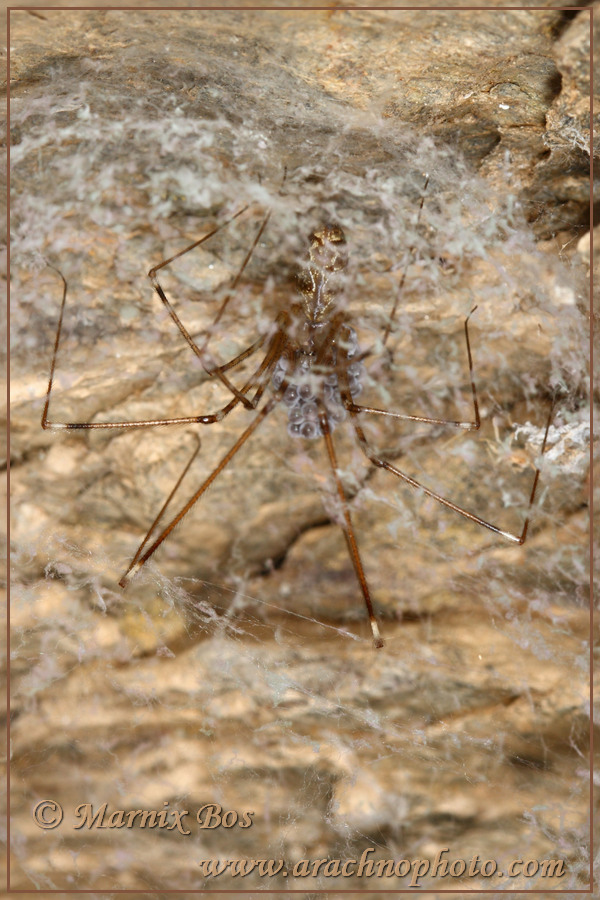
312, 364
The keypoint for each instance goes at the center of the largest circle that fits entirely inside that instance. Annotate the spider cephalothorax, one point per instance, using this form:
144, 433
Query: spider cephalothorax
318, 280
310, 369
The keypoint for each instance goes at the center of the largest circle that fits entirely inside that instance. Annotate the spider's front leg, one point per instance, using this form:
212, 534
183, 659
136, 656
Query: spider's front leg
202, 351
204, 419
466, 426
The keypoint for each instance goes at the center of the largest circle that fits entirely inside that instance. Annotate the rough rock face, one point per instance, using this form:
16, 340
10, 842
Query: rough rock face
238, 667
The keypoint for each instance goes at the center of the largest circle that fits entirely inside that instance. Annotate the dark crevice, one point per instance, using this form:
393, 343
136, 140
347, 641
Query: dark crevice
21, 459
273, 563
528, 762
464, 712
563, 20
276, 562
555, 81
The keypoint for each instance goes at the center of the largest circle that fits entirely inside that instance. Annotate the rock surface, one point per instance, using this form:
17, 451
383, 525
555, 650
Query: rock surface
238, 668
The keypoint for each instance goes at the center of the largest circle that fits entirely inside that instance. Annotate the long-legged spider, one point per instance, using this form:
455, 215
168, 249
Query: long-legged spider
312, 363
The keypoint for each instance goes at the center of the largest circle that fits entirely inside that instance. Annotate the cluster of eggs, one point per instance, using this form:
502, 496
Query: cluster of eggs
307, 385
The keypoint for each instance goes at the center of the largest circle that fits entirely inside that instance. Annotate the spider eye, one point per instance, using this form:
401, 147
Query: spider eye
332, 234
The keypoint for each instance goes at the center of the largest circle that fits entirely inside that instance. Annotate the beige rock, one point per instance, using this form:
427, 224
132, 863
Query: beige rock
238, 667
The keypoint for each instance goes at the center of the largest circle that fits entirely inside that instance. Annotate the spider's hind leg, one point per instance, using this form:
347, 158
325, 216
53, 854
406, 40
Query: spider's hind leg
123, 580
260, 377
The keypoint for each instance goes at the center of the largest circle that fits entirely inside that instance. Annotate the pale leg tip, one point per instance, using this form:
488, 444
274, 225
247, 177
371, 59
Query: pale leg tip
377, 639
129, 575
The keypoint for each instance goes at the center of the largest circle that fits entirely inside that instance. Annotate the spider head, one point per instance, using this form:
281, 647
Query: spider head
328, 248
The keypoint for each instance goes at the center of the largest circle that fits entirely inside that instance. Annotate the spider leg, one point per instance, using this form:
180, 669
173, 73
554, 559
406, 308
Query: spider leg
348, 528
276, 349
261, 375
167, 501
266, 365
181, 420
244, 354
390, 323
384, 464
467, 426
202, 352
